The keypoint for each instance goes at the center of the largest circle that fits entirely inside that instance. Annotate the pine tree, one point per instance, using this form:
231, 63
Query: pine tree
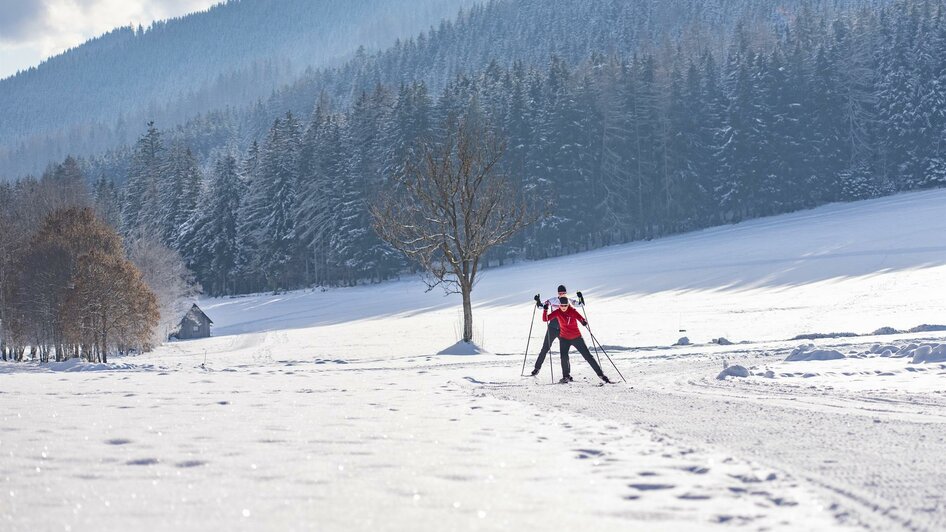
267, 225
106, 201
931, 104
645, 163
249, 221
710, 136
278, 168
180, 192
324, 172
778, 143
742, 151
857, 183
411, 121
895, 108
684, 193
141, 211
209, 238
363, 254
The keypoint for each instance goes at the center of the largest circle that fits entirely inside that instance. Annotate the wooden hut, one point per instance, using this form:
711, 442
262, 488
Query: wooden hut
195, 324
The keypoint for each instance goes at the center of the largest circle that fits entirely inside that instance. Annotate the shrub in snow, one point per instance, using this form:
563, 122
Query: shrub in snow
858, 183
683, 341
929, 353
885, 330
733, 371
935, 175
819, 336
722, 341
807, 353
928, 328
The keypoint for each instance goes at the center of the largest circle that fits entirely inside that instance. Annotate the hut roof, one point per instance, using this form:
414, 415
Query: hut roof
196, 314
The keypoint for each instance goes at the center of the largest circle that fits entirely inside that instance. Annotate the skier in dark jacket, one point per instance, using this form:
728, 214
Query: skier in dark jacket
552, 333
569, 335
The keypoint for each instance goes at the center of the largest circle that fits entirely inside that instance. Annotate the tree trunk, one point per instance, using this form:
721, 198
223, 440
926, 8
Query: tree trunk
467, 313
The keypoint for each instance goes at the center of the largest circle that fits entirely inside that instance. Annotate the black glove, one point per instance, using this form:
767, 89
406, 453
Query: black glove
581, 298
585, 323
538, 301
545, 306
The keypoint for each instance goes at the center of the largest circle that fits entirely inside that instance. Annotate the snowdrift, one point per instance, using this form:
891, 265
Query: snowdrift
462, 348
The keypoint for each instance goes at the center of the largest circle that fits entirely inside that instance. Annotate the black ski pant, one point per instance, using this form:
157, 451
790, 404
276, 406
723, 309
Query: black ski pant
582, 348
550, 335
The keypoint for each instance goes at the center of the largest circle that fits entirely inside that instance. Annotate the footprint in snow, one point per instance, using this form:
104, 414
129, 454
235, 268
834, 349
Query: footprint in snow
645, 486
585, 453
118, 441
781, 501
142, 462
753, 479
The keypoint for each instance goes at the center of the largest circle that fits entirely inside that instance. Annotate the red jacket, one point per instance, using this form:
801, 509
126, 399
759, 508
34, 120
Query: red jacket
568, 322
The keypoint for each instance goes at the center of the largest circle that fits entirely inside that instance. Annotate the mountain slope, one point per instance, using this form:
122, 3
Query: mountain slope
228, 55
842, 267
270, 45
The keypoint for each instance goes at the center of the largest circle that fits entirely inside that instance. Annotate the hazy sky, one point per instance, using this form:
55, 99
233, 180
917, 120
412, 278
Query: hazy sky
33, 30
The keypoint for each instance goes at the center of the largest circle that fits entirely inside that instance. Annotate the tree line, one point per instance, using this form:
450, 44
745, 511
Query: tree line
816, 107
609, 149
101, 93
70, 286
259, 59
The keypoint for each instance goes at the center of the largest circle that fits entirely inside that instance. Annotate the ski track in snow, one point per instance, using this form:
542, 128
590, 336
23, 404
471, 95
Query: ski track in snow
326, 410
876, 455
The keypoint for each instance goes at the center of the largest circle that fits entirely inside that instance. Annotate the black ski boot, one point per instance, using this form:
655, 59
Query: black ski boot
534, 373
605, 379
566, 379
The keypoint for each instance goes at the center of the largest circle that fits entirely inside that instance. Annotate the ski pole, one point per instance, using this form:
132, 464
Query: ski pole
549, 354
526, 354
595, 340
584, 312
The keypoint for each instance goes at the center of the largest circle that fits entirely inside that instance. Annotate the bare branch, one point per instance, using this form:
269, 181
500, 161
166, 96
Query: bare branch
449, 207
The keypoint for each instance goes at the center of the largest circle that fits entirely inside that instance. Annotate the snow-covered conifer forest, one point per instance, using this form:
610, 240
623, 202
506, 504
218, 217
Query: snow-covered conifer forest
645, 118
748, 196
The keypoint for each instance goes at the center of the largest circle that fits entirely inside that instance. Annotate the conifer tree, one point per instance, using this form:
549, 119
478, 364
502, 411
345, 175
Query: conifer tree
141, 211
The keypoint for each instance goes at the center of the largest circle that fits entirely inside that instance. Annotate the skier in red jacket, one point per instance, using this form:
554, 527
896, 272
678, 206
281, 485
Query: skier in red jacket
568, 320
552, 333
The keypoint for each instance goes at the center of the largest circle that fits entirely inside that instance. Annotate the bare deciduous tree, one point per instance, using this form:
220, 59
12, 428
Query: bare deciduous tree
72, 292
165, 273
108, 306
448, 207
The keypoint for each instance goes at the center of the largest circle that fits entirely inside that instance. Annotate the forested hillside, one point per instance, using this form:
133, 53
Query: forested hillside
623, 121
100, 94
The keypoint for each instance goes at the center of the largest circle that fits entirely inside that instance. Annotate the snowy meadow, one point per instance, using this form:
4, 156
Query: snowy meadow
329, 410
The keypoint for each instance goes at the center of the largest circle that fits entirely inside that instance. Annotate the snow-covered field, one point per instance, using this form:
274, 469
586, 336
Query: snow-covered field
328, 410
